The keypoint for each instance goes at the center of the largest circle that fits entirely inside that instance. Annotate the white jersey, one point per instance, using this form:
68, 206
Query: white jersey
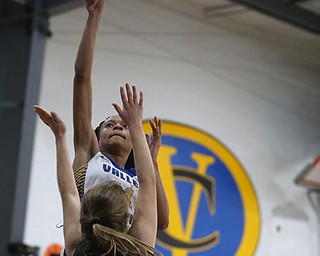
101, 168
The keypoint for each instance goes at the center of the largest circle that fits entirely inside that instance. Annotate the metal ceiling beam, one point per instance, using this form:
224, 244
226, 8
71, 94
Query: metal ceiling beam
13, 12
286, 12
54, 7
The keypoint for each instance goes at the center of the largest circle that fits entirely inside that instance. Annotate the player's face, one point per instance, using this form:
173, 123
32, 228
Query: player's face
115, 133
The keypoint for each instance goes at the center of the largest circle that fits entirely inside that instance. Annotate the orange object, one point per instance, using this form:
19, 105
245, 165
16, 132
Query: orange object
53, 250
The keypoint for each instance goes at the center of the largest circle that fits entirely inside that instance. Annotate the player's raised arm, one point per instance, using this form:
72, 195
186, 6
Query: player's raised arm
66, 183
85, 142
154, 146
145, 218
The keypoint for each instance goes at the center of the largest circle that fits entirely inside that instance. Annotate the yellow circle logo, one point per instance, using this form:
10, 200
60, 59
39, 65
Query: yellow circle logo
213, 206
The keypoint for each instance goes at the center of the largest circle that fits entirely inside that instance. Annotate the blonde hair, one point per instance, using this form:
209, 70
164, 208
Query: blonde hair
103, 219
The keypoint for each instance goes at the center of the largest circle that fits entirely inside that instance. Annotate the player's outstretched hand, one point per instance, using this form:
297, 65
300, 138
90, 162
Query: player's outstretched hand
52, 120
94, 5
154, 143
132, 106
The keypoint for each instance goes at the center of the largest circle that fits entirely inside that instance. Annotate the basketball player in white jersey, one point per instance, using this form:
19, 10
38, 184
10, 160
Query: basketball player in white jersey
102, 158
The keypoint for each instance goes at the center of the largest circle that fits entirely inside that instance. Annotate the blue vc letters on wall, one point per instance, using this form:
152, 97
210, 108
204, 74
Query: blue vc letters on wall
213, 206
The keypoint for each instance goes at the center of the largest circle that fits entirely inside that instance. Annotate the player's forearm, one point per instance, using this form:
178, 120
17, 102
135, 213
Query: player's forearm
162, 201
142, 156
82, 91
84, 59
65, 177
145, 218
